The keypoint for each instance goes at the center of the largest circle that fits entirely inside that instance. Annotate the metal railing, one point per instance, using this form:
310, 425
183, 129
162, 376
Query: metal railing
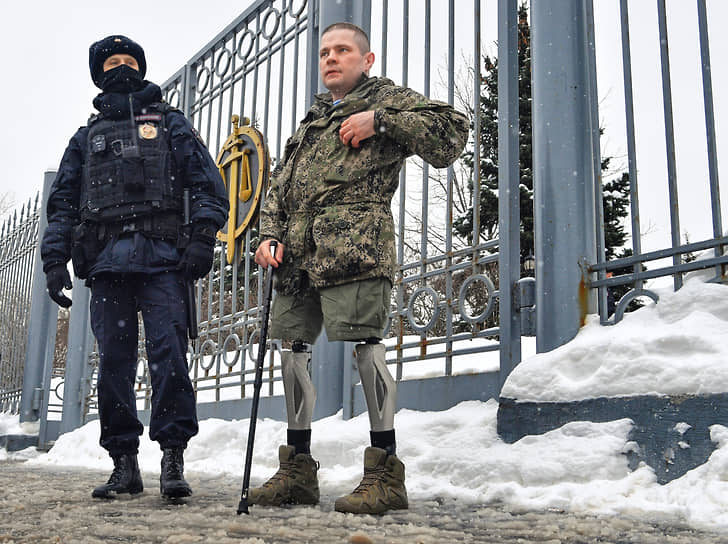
445, 340
677, 259
263, 66
18, 244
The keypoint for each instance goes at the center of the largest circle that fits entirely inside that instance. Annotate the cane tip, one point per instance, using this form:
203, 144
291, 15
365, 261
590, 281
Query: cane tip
243, 507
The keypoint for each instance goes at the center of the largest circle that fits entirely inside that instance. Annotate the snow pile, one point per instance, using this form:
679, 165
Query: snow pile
674, 347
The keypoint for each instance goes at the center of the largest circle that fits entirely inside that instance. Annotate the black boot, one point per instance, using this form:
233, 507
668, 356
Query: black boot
172, 479
125, 478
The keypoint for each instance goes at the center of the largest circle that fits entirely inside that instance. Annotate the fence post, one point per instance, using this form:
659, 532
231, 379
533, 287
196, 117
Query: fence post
563, 161
509, 242
330, 358
42, 331
79, 327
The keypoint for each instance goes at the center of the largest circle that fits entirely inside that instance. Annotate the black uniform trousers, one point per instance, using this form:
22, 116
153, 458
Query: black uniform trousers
115, 301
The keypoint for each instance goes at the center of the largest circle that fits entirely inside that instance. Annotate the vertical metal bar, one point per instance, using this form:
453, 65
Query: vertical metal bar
385, 22
246, 275
509, 242
223, 328
563, 171
294, 90
221, 132
449, 295
42, 327
592, 96
281, 76
710, 129
425, 173
669, 139
402, 197
405, 41
188, 86
476, 132
631, 147
312, 46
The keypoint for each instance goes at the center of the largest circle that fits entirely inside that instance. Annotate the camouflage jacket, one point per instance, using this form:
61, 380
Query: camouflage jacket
330, 204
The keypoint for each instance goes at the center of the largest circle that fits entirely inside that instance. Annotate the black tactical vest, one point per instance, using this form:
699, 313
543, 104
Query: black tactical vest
128, 174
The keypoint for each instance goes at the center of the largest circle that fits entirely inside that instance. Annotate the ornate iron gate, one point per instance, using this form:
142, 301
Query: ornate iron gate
444, 341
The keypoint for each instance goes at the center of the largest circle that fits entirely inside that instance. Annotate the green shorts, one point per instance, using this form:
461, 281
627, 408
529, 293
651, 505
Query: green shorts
350, 312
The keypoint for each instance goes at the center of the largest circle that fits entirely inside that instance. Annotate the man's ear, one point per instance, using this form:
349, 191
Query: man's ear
368, 61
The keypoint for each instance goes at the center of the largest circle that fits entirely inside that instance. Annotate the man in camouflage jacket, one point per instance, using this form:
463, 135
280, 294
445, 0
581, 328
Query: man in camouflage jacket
329, 208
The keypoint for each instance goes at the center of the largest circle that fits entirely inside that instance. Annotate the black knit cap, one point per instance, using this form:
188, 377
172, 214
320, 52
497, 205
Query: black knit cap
113, 45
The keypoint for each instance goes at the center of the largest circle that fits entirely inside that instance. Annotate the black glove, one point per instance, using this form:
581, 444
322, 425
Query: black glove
57, 279
196, 261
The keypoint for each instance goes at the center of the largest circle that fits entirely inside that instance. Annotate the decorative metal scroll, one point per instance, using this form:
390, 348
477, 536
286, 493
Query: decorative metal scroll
244, 166
432, 308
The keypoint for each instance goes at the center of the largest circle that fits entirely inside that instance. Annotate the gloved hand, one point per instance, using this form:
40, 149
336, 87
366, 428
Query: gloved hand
196, 261
57, 279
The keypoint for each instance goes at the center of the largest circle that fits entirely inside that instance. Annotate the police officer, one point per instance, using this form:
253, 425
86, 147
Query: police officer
330, 209
116, 210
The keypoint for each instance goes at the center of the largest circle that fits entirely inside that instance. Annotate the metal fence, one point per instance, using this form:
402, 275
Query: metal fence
455, 323
679, 258
18, 243
263, 66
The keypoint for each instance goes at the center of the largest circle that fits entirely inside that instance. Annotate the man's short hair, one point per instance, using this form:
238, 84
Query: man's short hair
360, 37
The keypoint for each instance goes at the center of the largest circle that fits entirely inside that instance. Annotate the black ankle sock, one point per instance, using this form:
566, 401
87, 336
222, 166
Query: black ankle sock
300, 440
384, 440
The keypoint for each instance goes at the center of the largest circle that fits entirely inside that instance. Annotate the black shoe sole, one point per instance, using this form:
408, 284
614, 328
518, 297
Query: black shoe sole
111, 494
175, 492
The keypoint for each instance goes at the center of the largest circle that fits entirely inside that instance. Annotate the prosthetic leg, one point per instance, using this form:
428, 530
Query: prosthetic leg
298, 387
382, 487
296, 481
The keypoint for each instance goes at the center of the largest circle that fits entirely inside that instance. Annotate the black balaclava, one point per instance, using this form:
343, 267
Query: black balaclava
121, 79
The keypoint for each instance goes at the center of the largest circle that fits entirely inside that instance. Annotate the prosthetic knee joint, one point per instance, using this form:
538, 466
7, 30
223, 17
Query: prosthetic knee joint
297, 386
380, 389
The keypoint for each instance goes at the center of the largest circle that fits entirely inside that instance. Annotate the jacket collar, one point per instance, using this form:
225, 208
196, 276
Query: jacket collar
323, 102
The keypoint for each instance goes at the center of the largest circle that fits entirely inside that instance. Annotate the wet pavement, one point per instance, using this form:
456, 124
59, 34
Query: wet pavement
41, 504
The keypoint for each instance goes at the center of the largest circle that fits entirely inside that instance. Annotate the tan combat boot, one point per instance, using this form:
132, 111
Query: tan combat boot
294, 483
381, 489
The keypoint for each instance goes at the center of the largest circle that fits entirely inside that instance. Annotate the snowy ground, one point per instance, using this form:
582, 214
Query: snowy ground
676, 346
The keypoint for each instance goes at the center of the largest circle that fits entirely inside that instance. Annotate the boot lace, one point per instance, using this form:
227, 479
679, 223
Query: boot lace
372, 477
286, 470
173, 467
117, 475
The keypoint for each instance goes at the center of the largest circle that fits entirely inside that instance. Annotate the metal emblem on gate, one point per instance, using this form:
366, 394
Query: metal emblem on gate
244, 166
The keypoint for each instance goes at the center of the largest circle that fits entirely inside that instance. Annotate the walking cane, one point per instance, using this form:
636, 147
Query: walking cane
267, 295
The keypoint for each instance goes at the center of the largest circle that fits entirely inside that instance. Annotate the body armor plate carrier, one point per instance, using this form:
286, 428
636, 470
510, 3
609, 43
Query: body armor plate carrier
128, 176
